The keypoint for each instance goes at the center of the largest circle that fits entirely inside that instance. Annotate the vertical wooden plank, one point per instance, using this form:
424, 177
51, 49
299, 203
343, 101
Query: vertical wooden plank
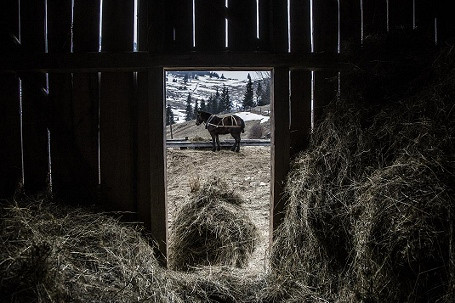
325, 91
178, 25
300, 120
446, 24
152, 28
59, 26
210, 25
279, 26
117, 32
265, 28
425, 14
400, 14
300, 27
350, 24
74, 139
151, 186
35, 107
86, 25
280, 146
117, 103
9, 25
35, 103
325, 20
117, 139
32, 26
375, 16
242, 24
10, 153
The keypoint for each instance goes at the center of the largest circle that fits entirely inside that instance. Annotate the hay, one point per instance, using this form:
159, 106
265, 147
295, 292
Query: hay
212, 229
51, 253
370, 205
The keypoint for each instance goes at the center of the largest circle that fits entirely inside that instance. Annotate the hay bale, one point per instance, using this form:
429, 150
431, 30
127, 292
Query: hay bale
212, 229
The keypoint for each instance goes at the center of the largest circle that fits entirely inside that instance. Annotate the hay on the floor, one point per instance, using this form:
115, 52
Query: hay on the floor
212, 229
50, 253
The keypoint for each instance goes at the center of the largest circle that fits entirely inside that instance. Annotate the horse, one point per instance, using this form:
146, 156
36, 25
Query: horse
232, 124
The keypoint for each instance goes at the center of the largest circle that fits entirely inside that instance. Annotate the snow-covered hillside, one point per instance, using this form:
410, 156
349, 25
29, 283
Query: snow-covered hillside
201, 87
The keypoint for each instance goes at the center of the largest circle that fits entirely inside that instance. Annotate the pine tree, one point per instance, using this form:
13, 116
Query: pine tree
248, 97
265, 99
216, 102
188, 109
203, 105
259, 94
226, 103
169, 116
196, 109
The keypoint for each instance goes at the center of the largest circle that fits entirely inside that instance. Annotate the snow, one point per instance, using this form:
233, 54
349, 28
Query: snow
204, 86
247, 116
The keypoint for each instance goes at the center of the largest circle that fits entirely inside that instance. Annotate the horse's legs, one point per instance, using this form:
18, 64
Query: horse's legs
236, 146
213, 142
218, 142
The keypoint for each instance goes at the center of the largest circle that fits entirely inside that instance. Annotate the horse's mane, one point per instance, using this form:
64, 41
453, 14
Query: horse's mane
204, 113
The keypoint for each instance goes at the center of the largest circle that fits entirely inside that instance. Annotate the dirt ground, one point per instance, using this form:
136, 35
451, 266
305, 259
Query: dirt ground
248, 173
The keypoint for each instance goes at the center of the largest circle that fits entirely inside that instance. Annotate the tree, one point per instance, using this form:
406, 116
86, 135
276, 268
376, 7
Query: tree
265, 98
188, 109
248, 97
196, 109
216, 102
259, 94
203, 105
169, 115
225, 102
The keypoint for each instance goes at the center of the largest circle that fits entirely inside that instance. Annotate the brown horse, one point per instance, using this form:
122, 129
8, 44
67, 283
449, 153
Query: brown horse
220, 126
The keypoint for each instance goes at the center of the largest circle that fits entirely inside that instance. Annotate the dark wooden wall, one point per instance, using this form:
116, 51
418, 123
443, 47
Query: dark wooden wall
93, 130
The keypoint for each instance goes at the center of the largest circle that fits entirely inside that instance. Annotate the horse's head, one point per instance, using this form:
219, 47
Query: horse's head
199, 119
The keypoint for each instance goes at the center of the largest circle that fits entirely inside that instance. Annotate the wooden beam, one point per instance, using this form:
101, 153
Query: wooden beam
280, 146
141, 61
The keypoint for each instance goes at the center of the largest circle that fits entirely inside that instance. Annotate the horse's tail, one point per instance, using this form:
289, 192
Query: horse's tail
242, 127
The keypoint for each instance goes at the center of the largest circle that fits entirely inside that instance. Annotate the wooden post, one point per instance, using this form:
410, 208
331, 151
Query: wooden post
280, 146
151, 182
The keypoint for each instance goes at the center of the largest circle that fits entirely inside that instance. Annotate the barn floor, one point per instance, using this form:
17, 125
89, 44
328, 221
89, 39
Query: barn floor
247, 172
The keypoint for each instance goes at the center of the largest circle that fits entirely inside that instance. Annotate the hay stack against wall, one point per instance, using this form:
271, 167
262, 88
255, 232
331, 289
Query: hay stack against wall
212, 229
370, 215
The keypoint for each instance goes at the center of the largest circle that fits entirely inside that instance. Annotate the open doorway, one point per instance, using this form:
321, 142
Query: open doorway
191, 164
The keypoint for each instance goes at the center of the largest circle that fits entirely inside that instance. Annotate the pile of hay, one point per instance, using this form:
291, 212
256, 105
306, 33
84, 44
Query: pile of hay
51, 253
370, 214
212, 229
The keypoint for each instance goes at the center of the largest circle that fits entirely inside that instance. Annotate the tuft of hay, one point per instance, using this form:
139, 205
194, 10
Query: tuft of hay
212, 229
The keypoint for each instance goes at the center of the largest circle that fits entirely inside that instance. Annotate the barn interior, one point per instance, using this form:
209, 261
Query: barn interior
362, 153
